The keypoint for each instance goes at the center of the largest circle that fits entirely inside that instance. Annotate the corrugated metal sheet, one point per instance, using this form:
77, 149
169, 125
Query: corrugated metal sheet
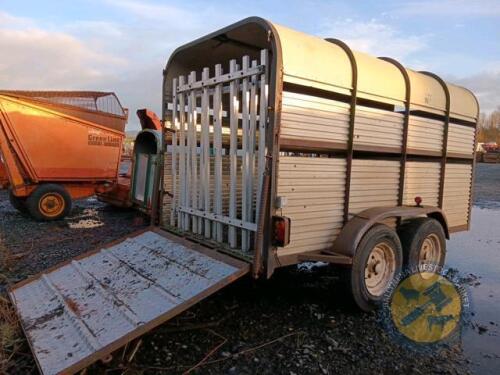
461, 139
375, 127
425, 134
422, 179
82, 310
457, 193
314, 188
373, 183
312, 118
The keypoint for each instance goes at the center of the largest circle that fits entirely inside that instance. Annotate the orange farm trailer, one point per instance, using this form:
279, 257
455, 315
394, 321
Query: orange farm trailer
58, 146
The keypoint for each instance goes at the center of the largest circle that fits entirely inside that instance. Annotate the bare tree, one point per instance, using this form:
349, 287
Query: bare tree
489, 127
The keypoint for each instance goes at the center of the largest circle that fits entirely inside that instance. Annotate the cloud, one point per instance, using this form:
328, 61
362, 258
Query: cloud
40, 59
8, 20
450, 8
164, 12
122, 56
486, 86
375, 38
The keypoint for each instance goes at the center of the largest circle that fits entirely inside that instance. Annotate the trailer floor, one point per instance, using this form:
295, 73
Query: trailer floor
293, 324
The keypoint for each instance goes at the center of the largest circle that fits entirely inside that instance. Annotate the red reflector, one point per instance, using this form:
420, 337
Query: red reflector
418, 201
281, 231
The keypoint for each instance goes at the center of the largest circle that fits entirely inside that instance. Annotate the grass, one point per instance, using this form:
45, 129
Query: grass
11, 338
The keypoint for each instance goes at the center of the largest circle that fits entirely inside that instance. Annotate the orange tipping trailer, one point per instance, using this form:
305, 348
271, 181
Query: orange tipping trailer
57, 146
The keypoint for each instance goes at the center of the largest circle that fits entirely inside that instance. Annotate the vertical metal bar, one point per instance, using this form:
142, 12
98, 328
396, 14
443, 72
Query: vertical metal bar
182, 158
233, 148
406, 125
205, 139
218, 152
261, 154
352, 121
160, 188
174, 153
245, 98
195, 194
263, 178
445, 136
191, 141
251, 146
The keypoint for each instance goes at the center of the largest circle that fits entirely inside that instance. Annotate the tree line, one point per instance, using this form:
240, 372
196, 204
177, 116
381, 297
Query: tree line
489, 127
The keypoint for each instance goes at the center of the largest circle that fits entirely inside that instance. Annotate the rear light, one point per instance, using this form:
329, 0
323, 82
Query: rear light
281, 231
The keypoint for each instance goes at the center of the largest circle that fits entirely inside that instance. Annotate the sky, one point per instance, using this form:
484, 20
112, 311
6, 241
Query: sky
122, 46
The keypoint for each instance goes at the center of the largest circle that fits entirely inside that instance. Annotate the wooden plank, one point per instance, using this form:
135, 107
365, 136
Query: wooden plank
233, 147
218, 151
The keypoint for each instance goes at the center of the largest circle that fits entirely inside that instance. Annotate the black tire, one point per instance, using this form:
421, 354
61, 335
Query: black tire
413, 233
378, 235
35, 202
17, 202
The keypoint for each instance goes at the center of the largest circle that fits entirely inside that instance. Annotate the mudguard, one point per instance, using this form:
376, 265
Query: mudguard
349, 238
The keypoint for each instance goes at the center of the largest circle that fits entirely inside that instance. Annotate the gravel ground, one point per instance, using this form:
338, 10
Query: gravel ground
296, 323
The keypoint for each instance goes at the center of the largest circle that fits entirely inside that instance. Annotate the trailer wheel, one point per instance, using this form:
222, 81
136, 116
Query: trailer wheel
49, 202
423, 242
17, 202
377, 262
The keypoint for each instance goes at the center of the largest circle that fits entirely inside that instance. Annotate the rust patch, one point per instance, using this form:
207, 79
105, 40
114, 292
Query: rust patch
73, 306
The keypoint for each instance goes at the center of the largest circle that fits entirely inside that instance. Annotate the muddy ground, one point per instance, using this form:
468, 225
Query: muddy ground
296, 323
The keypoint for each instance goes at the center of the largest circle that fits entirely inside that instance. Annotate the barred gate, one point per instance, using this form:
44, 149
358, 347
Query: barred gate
217, 156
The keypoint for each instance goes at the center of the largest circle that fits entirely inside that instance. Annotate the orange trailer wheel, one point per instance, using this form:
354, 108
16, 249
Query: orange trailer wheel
49, 202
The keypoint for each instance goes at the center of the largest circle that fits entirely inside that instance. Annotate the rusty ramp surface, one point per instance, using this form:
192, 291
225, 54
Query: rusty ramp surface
81, 311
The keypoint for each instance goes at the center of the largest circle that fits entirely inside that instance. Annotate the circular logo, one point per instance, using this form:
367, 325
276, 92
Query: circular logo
426, 307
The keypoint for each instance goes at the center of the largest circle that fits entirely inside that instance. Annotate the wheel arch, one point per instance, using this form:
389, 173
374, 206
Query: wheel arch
351, 234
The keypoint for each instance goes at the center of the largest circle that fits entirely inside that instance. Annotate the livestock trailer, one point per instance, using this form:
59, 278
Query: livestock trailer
279, 148
56, 146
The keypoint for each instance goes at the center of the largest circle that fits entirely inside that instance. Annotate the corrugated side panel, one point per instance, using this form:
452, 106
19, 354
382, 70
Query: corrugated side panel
425, 134
314, 188
373, 183
375, 127
457, 193
461, 139
422, 180
305, 117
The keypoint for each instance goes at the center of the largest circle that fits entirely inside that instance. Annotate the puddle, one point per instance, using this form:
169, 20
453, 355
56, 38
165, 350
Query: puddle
478, 253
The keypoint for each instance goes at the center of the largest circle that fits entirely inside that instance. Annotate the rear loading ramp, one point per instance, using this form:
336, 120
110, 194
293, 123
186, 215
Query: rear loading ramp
83, 310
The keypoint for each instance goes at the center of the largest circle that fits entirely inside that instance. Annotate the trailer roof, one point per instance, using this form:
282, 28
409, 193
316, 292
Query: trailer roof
315, 62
